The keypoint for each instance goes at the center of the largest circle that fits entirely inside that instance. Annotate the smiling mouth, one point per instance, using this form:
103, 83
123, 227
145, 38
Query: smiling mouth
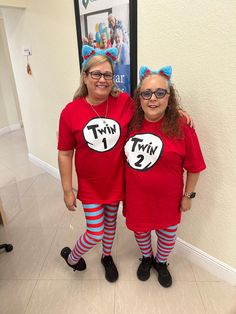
153, 106
101, 86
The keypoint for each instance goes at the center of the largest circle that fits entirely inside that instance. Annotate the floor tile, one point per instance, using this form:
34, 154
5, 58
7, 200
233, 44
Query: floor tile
27, 171
150, 298
72, 296
7, 177
180, 267
25, 184
15, 295
218, 297
45, 185
19, 158
31, 246
10, 200
203, 275
39, 212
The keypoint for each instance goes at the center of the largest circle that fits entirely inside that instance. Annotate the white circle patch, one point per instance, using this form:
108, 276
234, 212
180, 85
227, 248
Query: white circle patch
101, 134
143, 150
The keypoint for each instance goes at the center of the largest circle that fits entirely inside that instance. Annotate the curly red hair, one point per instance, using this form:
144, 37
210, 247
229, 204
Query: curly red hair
171, 121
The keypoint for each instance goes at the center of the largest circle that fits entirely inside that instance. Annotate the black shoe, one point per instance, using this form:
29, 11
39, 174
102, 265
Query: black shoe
143, 272
81, 265
164, 276
111, 272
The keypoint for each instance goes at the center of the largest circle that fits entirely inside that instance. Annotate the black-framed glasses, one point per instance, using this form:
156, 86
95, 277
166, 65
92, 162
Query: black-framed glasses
96, 75
159, 93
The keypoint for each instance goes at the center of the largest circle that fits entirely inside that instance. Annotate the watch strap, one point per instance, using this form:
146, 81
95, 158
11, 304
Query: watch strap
190, 194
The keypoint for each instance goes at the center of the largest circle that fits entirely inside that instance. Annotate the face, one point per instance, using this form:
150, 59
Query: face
99, 89
117, 40
112, 21
103, 41
154, 108
90, 41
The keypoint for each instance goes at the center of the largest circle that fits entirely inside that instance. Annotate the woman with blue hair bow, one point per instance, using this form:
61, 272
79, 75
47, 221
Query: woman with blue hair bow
159, 148
95, 126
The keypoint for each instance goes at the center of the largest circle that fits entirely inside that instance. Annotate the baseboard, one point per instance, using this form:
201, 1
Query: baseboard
45, 166
10, 128
207, 262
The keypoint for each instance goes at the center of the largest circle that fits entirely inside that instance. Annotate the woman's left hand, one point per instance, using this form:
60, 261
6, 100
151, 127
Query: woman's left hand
188, 118
185, 204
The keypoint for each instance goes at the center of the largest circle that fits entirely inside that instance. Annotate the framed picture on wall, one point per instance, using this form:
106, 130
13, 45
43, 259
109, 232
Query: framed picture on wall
110, 23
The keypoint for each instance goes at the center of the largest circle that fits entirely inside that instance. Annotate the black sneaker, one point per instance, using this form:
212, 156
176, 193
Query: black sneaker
164, 276
143, 272
111, 272
81, 265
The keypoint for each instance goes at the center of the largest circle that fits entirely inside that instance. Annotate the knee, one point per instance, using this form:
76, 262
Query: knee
96, 236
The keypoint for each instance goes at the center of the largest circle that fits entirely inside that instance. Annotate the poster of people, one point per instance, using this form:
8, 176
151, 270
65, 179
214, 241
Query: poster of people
105, 24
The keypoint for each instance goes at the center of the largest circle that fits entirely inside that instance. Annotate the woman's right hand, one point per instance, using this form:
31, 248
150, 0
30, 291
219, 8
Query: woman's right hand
70, 200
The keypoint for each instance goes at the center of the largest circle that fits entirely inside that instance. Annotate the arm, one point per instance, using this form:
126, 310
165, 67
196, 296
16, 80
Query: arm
191, 182
65, 167
187, 116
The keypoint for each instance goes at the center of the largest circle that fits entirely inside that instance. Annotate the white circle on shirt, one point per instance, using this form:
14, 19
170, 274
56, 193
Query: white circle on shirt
101, 134
143, 150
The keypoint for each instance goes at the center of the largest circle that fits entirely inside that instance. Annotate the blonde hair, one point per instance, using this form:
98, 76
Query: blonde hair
82, 91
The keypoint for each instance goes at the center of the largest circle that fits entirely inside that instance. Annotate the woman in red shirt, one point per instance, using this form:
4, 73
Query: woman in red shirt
95, 126
160, 146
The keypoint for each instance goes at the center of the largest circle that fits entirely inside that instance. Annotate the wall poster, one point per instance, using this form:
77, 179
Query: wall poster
111, 23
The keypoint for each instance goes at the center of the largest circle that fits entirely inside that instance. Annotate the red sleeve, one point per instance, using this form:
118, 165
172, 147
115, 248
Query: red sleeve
129, 106
193, 161
66, 140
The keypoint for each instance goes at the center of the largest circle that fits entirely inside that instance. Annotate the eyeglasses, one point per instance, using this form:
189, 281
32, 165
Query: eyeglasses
159, 93
96, 75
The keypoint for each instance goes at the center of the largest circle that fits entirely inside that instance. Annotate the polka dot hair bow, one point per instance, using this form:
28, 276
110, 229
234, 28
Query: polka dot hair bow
88, 52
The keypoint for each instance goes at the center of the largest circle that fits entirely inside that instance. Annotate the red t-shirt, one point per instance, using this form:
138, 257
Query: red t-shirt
154, 175
98, 144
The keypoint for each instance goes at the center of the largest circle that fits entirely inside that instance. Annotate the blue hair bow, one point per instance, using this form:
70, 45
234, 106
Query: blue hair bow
164, 71
88, 52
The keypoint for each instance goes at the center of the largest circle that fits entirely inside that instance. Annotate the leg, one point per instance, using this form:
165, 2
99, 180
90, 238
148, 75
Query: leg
165, 244
144, 242
110, 217
94, 214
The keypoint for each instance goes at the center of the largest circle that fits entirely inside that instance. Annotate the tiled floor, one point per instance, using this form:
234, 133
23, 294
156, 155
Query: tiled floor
35, 279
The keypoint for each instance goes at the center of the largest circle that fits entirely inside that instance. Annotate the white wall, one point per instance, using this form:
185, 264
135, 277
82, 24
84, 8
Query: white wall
3, 115
198, 40
49, 29
9, 114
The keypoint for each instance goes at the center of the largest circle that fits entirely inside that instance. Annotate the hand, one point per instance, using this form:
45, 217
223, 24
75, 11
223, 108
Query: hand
188, 118
70, 200
185, 204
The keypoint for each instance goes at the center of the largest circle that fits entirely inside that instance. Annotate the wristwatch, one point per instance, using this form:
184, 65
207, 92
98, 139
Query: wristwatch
190, 194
